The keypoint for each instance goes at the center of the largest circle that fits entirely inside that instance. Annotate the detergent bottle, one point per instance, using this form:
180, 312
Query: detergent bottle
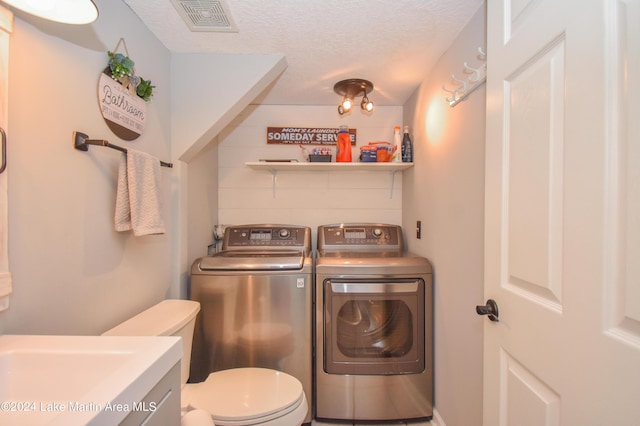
343, 150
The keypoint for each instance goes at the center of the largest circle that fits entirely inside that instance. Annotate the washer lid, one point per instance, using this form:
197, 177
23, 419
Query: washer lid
272, 260
246, 393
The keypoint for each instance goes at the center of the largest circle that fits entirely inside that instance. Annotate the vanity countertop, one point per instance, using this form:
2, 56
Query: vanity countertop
63, 380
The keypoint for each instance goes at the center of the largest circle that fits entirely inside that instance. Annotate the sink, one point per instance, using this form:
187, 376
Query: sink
77, 380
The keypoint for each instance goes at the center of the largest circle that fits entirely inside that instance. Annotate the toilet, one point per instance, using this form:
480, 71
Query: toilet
239, 396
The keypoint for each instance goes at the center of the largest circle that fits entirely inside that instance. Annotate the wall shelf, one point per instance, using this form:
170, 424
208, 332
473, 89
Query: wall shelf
327, 167
274, 167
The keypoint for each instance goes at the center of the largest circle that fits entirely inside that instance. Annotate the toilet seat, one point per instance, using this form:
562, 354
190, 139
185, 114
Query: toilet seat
246, 396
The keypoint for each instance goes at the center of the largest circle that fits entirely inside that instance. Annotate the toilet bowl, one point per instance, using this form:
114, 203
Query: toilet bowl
234, 397
248, 396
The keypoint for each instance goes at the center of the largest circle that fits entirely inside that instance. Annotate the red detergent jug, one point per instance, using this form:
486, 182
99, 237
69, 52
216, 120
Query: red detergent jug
343, 151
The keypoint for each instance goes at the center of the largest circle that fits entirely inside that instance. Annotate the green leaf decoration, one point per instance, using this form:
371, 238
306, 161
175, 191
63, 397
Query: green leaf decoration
121, 65
145, 89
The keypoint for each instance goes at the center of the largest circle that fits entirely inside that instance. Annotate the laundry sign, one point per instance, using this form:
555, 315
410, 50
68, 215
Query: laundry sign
305, 135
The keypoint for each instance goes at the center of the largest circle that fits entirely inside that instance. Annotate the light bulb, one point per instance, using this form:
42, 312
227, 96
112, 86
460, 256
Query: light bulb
346, 104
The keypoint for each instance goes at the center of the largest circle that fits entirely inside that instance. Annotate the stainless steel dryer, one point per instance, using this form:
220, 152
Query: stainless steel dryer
374, 326
256, 303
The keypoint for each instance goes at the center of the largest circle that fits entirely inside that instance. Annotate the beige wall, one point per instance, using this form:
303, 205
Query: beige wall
73, 274
209, 90
445, 190
202, 202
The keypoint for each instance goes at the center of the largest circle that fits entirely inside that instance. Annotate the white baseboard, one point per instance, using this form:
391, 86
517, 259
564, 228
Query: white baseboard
436, 420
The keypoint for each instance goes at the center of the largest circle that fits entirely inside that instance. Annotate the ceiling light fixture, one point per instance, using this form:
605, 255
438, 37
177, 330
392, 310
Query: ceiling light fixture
351, 88
65, 11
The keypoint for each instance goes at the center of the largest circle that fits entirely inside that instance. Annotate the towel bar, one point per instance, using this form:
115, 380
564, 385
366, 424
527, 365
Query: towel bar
81, 142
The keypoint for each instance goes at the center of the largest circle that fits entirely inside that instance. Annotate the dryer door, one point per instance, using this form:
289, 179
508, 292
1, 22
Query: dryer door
374, 327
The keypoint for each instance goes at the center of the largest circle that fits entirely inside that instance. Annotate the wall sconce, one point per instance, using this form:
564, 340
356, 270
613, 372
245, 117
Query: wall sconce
64, 11
351, 88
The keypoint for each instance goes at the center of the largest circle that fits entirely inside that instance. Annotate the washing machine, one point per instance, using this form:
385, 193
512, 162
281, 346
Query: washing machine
256, 298
373, 326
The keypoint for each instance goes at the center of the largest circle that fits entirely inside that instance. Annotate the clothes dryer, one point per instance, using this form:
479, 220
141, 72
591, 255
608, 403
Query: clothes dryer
373, 326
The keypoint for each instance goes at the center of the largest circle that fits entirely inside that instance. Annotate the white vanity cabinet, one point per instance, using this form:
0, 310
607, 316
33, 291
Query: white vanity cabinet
161, 406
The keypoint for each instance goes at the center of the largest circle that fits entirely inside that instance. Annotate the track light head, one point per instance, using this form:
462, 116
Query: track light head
366, 104
351, 88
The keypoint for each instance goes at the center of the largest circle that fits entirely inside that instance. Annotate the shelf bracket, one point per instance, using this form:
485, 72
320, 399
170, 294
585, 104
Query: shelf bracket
393, 179
274, 177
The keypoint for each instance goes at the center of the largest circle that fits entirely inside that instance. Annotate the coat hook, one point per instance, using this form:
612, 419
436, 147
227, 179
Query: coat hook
476, 73
454, 94
482, 55
463, 84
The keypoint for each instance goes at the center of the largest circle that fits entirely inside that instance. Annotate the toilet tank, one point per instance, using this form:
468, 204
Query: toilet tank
168, 318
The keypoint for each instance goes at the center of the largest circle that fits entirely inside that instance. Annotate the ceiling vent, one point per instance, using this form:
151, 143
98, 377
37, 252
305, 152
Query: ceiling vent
206, 15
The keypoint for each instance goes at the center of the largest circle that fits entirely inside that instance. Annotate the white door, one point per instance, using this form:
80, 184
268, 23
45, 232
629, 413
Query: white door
562, 218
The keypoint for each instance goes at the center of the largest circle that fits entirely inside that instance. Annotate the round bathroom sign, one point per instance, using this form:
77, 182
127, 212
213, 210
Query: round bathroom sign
125, 113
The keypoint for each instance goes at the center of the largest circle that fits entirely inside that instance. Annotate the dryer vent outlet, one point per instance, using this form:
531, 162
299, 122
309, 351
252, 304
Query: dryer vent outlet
206, 15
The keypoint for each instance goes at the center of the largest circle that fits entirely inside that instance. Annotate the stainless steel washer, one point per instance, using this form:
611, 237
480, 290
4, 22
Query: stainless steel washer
256, 303
373, 322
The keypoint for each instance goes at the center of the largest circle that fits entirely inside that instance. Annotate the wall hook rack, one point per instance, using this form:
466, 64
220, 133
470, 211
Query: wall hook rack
82, 142
464, 87
477, 75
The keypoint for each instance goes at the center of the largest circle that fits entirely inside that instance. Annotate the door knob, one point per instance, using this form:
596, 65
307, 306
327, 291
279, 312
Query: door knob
491, 309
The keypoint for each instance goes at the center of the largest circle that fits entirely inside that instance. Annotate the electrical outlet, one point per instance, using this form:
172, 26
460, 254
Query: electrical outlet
419, 229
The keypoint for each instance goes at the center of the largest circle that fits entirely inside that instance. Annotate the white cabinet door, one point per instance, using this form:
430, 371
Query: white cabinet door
562, 218
6, 26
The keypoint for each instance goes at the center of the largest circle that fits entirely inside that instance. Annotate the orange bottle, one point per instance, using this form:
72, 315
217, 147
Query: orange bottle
343, 146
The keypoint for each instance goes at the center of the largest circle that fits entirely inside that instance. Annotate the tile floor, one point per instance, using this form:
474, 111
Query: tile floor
315, 423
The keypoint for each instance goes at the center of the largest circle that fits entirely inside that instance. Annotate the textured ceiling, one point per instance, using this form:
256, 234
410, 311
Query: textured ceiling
392, 43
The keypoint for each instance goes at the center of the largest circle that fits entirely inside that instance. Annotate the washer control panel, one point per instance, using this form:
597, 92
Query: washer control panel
261, 236
360, 236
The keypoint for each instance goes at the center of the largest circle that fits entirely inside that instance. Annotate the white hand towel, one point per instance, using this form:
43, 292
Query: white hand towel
138, 206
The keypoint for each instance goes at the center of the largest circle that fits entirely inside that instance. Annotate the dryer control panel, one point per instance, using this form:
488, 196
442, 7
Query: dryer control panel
360, 237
